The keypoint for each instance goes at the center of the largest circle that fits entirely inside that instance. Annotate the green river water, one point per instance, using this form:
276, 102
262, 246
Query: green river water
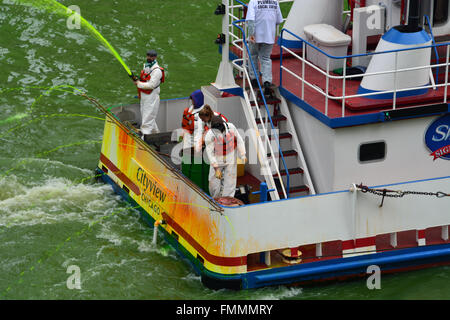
52, 215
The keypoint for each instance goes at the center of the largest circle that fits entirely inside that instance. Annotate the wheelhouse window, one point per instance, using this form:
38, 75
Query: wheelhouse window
372, 151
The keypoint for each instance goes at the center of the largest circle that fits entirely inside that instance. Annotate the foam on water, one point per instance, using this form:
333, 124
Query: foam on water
56, 200
34, 28
112, 237
3, 53
79, 38
279, 293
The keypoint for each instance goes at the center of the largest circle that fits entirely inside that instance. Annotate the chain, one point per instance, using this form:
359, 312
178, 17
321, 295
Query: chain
398, 193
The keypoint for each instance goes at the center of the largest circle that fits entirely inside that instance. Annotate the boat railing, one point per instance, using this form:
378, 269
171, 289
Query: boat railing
344, 77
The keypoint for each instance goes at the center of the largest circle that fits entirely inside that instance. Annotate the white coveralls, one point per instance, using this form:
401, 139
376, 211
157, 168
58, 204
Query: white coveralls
225, 187
150, 102
194, 139
262, 19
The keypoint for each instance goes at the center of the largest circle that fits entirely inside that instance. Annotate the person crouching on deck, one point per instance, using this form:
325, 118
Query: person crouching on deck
221, 143
192, 160
148, 90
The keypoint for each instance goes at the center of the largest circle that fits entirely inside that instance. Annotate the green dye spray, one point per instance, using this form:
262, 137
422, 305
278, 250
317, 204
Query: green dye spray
55, 7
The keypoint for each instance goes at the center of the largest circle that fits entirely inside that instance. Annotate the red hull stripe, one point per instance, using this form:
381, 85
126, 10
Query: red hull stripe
358, 243
120, 174
421, 234
220, 261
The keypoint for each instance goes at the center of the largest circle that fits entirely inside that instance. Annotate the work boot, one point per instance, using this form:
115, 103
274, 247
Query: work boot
267, 90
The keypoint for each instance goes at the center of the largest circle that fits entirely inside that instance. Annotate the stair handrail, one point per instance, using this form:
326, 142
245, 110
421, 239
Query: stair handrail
435, 49
286, 194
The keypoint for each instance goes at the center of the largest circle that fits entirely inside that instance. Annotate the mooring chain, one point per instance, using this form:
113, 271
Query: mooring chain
398, 193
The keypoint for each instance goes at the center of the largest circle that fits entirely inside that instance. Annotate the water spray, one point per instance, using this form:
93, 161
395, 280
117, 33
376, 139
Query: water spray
55, 7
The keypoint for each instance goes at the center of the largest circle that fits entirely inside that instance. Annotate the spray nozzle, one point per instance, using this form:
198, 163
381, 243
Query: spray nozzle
133, 76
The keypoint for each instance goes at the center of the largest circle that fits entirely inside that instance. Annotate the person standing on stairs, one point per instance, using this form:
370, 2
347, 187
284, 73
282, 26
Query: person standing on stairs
262, 20
222, 142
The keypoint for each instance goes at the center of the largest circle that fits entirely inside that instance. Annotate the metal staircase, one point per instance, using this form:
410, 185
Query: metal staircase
277, 146
283, 152
279, 155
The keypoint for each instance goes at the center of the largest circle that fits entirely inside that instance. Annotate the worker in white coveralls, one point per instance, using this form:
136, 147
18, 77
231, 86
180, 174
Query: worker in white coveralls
192, 164
223, 145
152, 75
262, 18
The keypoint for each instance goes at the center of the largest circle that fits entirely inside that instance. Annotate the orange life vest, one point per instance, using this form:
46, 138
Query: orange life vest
223, 146
145, 77
188, 121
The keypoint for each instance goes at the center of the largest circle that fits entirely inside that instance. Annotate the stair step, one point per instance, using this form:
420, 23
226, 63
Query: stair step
291, 171
276, 118
287, 153
268, 101
285, 135
295, 189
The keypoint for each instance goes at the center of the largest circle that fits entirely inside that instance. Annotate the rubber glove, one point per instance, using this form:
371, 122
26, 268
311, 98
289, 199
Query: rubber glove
219, 174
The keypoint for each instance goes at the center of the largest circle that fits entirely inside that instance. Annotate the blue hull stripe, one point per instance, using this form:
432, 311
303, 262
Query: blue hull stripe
401, 258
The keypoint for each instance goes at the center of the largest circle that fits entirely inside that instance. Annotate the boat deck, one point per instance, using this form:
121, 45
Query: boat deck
335, 109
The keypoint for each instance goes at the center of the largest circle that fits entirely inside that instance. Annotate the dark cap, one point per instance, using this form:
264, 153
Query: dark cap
152, 53
217, 123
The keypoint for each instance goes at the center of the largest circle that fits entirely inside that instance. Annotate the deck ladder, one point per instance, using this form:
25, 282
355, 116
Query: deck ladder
277, 145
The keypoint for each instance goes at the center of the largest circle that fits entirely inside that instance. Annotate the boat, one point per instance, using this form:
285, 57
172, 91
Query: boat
349, 154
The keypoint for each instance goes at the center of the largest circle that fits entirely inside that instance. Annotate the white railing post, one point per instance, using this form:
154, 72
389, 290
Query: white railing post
354, 196
327, 84
394, 101
245, 62
446, 74
344, 75
303, 69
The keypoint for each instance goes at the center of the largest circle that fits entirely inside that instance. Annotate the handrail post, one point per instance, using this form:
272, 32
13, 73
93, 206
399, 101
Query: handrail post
244, 57
435, 48
394, 101
281, 57
327, 84
344, 75
446, 74
263, 191
303, 69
